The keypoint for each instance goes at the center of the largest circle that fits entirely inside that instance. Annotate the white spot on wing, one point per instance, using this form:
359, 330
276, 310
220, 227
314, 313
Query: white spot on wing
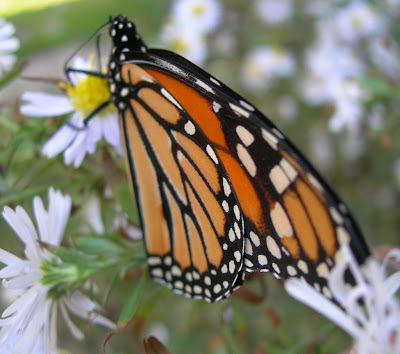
279, 179
246, 105
255, 239
204, 86
244, 135
262, 259
273, 247
216, 107
227, 187
239, 110
215, 81
289, 169
246, 160
190, 128
270, 139
211, 153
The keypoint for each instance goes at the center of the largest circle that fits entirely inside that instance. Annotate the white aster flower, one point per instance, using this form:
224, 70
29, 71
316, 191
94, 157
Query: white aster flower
199, 15
30, 321
274, 12
82, 96
8, 45
186, 41
264, 65
358, 20
369, 311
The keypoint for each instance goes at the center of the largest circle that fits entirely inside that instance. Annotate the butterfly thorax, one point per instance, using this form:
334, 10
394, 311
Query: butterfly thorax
125, 39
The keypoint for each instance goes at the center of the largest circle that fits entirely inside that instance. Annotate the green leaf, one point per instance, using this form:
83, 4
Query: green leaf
131, 305
75, 257
123, 197
26, 194
98, 245
11, 75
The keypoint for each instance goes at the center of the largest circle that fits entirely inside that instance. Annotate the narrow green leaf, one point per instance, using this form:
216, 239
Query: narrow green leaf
26, 194
98, 245
75, 257
11, 75
123, 197
230, 339
131, 305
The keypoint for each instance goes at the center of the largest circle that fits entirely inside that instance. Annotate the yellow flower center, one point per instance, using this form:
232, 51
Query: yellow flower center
88, 94
198, 10
178, 45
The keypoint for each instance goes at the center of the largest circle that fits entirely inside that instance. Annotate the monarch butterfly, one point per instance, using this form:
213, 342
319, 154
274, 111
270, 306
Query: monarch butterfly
221, 191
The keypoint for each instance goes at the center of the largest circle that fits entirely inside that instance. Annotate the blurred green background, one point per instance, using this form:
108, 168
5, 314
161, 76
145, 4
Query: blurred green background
48, 31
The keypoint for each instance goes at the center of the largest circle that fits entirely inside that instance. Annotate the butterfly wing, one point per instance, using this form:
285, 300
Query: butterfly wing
294, 224
193, 239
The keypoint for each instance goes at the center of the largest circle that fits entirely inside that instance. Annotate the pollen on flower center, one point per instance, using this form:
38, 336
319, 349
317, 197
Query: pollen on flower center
88, 94
179, 45
198, 10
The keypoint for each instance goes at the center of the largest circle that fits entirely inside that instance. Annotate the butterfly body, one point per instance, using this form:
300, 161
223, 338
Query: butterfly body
220, 189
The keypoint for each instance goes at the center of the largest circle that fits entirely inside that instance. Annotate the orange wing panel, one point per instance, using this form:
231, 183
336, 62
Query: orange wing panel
180, 243
159, 141
213, 248
165, 109
214, 209
244, 190
319, 217
196, 106
155, 227
301, 223
201, 160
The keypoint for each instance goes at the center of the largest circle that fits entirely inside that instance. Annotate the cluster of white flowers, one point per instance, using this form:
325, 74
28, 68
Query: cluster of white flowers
369, 310
8, 45
335, 64
29, 323
190, 21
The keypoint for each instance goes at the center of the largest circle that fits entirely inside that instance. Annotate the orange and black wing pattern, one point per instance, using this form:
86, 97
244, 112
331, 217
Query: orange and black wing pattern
220, 189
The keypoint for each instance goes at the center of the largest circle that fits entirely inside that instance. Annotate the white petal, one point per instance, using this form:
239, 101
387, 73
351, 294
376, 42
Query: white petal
6, 30
8, 258
59, 141
14, 269
23, 281
76, 152
81, 306
312, 298
59, 209
41, 104
23, 227
9, 45
76, 332
111, 132
41, 218
92, 212
21, 304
